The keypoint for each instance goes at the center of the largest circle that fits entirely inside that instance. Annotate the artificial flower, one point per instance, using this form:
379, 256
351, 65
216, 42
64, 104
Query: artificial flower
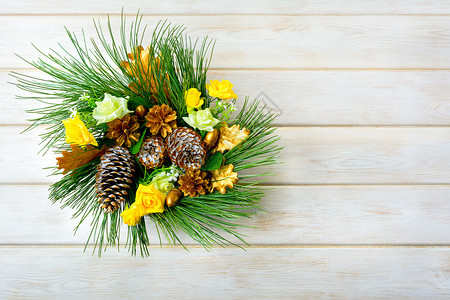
77, 133
110, 108
192, 98
201, 119
163, 182
131, 216
221, 89
149, 199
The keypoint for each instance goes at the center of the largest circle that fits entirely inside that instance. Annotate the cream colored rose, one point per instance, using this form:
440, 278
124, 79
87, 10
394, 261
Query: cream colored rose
201, 119
163, 182
110, 108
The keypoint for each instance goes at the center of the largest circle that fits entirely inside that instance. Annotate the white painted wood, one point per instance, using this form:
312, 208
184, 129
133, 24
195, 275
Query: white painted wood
314, 97
307, 215
271, 273
285, 7
323, 63
275, 42
311, 155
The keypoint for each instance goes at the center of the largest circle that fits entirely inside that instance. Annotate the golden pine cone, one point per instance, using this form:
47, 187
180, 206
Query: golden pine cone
114, 176
161, 119
152, 152
124, 131
193, 183
186, 148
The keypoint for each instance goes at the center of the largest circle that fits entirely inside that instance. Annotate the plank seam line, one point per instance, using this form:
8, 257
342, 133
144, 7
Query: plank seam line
193, 15
260, 246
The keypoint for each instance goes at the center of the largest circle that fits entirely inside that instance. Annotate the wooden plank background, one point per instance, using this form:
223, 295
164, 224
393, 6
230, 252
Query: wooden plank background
361, 206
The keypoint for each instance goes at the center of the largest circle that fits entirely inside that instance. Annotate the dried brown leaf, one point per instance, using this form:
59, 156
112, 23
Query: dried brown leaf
78, 157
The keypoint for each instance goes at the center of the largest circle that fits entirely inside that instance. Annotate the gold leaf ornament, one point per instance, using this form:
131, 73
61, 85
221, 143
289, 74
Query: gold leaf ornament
145, 68
229, 137
222, 178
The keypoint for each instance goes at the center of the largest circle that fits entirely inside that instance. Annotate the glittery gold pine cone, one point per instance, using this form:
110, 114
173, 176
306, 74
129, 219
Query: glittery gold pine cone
124, 131
194, 183
161, 120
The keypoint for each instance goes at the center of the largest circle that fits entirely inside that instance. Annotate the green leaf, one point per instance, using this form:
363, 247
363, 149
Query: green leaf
137, 146
213, 162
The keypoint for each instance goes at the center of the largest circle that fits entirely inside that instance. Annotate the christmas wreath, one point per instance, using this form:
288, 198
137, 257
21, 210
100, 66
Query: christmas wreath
141, 134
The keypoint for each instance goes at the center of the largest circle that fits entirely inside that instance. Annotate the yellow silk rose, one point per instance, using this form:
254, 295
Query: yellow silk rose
221, 89
77, 133
192, 98
149, 199
131, 216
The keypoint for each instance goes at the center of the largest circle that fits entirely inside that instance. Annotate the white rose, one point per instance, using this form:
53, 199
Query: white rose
162, 182
202, 119
110, 108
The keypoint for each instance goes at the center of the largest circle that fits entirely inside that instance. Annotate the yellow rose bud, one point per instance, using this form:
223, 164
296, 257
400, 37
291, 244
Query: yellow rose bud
149, 199
77, 133
131, 216
221, 89
192, 97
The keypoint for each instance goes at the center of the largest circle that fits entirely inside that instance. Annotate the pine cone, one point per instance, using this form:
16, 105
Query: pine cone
194, 183
113, 178
152, 152
124, 131
186, 148
161, 119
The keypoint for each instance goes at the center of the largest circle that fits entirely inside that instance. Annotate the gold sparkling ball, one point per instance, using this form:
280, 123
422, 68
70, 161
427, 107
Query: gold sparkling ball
140, 111
211, 138
173, 197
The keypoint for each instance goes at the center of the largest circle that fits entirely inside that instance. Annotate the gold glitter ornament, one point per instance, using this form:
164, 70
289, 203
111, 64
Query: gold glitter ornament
140, 112
230, 136
173, 197
211, 138
223, 178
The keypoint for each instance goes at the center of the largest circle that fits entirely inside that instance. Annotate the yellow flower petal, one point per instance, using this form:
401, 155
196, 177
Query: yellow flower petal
77, 133
221, 89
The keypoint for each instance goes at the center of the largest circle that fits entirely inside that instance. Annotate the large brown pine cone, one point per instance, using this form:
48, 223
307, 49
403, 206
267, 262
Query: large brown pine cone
186, 148
114, 176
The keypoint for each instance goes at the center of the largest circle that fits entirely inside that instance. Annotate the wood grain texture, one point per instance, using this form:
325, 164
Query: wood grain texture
203, 7
274, 42
413, 273
311, 155
306, 215
314, 97
333, 63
